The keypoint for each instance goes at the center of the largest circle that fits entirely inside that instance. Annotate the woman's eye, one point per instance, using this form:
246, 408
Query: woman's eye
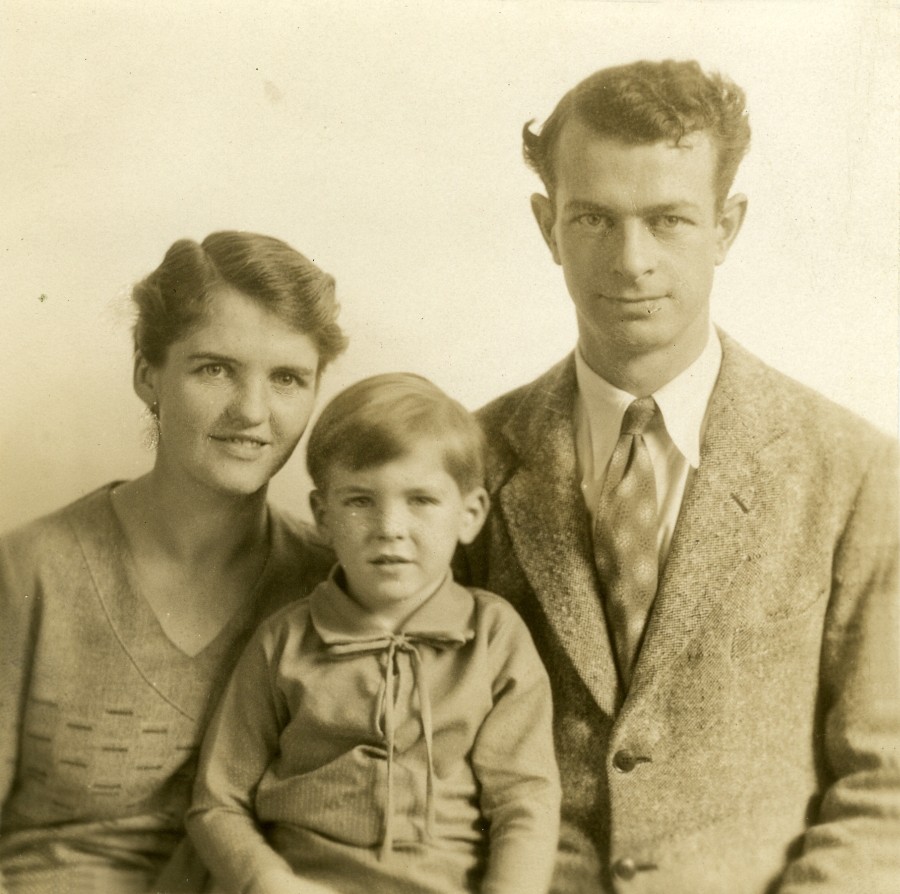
213, 370
286, 380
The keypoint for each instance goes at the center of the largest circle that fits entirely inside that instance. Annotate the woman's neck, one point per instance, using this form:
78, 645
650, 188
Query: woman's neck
192, 524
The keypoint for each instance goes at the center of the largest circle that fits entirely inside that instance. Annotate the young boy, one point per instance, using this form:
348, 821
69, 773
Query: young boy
392, 732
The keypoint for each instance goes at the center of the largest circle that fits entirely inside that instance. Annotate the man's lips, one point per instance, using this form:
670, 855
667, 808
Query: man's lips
633, 299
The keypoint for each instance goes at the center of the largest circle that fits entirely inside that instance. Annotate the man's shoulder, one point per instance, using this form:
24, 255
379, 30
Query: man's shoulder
550, 392
779, 403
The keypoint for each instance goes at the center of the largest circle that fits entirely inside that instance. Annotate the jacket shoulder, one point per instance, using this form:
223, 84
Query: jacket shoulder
782, 404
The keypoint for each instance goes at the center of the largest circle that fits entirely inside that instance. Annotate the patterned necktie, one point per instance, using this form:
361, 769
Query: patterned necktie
625, 533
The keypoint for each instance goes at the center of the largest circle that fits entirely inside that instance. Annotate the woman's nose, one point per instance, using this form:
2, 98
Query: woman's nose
251, 402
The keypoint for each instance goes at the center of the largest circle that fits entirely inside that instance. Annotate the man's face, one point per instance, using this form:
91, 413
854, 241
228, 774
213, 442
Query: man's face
637, 233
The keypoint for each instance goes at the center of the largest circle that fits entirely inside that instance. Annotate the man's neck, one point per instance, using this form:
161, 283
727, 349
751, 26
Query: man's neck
641, 372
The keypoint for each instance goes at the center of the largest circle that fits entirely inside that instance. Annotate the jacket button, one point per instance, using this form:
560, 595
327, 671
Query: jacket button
624, 869
624, 761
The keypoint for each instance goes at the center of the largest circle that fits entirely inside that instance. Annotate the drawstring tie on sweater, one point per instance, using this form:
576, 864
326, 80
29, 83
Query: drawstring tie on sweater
391, 644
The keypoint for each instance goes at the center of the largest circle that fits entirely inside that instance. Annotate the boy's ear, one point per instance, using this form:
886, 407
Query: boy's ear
476, 504
317, 505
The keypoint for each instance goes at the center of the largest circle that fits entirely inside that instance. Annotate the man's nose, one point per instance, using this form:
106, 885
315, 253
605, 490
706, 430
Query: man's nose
634, 248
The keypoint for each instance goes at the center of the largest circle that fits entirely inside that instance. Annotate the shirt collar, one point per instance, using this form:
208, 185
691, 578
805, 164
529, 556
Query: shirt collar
682, 402
448, 613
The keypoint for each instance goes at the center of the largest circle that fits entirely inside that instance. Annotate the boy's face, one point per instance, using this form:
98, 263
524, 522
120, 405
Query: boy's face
395, 528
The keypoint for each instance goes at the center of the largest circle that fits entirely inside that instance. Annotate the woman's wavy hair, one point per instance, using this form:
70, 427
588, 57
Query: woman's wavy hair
174, 297
645, 102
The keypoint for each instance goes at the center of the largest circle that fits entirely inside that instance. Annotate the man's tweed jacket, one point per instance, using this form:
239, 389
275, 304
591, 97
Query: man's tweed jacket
757, 748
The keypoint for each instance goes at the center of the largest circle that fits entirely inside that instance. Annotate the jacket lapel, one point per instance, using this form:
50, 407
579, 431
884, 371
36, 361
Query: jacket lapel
719, 527
548, 524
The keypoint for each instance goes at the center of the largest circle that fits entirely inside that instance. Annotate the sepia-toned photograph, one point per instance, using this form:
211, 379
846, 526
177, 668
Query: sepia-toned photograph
449, 448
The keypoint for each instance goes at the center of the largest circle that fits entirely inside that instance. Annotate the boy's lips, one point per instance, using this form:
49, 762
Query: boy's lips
388, 559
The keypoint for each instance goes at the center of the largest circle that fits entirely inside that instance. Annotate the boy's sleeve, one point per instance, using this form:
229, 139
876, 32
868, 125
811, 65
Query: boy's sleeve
240, 743
514, 762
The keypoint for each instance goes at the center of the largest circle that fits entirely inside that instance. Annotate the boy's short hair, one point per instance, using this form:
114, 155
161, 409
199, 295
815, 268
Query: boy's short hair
382, 417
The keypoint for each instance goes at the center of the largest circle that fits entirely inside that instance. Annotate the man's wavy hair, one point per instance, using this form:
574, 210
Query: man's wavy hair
646, 102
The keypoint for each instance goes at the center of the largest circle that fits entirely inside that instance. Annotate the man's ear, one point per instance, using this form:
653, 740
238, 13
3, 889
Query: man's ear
475, 509
731, 218
144, 380
545, 214
317, 505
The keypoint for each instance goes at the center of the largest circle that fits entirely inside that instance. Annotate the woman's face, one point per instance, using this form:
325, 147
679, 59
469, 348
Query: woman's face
234, 396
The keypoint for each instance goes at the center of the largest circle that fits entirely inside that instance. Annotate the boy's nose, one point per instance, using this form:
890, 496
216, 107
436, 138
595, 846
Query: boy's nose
390, 525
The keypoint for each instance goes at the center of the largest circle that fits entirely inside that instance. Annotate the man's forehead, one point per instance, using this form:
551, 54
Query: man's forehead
685, 167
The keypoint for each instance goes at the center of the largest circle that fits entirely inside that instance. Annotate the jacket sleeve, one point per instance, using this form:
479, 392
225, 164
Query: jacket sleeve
19, 618
515, 765
240, 742
854, 844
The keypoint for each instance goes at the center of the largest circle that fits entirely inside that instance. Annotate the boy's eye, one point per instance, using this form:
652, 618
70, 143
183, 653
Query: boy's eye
357, 502
424, 500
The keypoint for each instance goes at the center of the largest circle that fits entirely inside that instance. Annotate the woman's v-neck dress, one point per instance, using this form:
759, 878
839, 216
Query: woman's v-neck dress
101, 715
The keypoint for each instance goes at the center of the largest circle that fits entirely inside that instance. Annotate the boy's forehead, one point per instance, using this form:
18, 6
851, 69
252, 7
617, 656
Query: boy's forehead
422, 456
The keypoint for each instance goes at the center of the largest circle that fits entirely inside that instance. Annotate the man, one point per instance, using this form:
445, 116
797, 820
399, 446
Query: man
724, 660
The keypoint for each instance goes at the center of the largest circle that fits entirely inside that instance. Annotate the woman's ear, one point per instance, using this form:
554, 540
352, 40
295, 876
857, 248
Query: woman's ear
144, 380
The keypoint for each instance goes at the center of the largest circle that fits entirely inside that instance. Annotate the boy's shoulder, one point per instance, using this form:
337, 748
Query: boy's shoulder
493, 613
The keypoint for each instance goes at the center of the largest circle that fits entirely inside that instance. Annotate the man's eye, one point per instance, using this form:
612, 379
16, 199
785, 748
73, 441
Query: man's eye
595, 221
287, 380
668, 222
213, 370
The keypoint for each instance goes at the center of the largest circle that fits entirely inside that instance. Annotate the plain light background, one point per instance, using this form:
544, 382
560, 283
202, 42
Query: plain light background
383, 140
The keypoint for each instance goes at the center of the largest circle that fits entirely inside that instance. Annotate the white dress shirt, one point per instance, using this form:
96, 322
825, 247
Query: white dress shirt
672, 438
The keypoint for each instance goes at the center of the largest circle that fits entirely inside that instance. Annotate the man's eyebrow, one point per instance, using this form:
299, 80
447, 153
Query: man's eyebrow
650, 210
582, 205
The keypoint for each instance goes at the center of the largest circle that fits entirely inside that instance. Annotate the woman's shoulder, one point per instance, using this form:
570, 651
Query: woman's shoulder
51, 532
299, 559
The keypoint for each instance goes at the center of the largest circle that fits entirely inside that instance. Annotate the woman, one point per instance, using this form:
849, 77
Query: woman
121, 614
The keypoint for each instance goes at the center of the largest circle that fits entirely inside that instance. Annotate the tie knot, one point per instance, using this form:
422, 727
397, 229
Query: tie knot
638, 415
